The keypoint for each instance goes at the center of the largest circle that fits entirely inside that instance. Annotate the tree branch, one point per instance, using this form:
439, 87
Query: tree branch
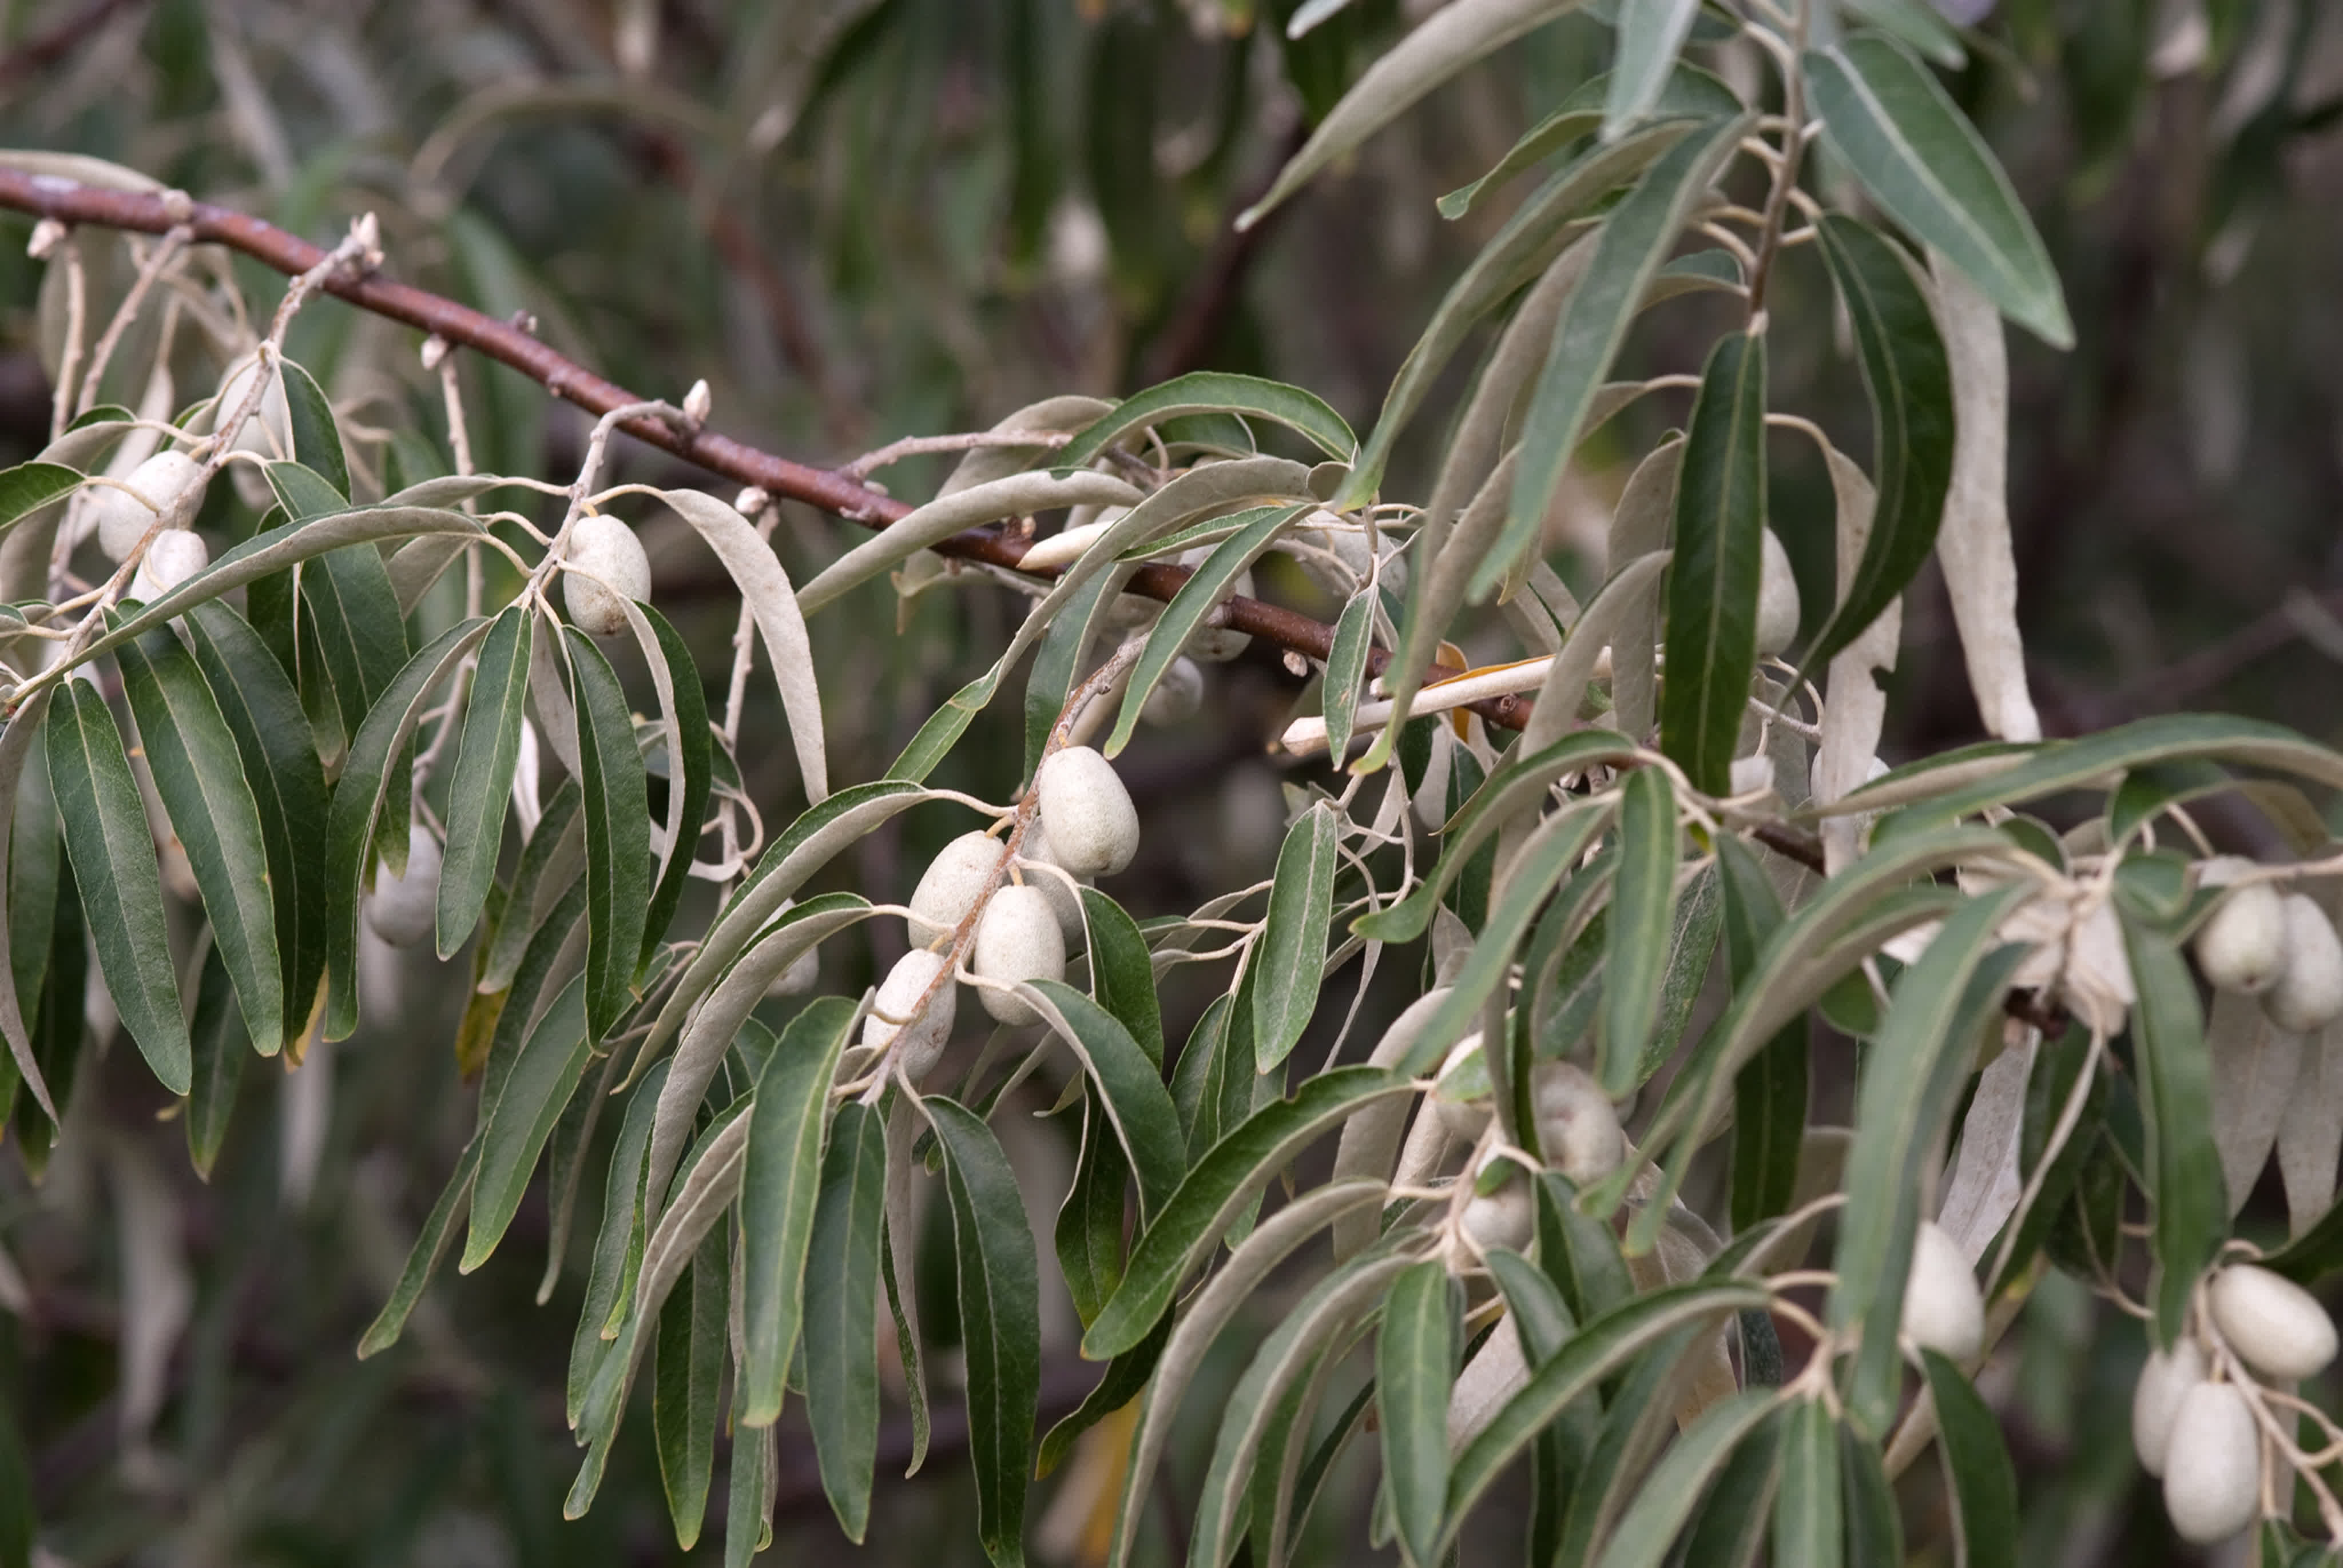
67, 201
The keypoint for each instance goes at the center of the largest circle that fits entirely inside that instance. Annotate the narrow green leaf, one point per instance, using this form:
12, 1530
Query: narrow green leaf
1000, 1323
544, 1077
1689, 93
302, 492
1769, 1094
1294, 942
113, 865
28, 487
1712, 602
423, 1258
1122, 975
778, 1193
1874, 1529
618, 833
1416, 1371
2176, 1074
1976, 1463
193, 759
1089, 1235
686, 1378
617, 1258
1130, 1089
1635, 239
746, 1501
1650, 35
1922, 161
263, 712
1205, 591
220, 1046
1124, 1379
1218, 1185
1346, 670
1916, 22
317, 439
842, 1357
1915, 1070
695, 776
357, 798
480, 787
352, 611
1643, 911
1060, 658
1542, 1321
1214, 392
1807, 1526
1731, 1528
1578, 1252
1665, 1502
1910, 384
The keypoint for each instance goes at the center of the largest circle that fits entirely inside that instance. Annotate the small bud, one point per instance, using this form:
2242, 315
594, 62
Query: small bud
1017, 939
2213, 1468
2276, 1326
952, 886
699, 403
898, 994
435, 350
1093, 827
752, 501
1942, 1310
47, 234
1577, 1126
402, 909
365, 231
607, 566
2308, 991
2242, 944
2164, 1381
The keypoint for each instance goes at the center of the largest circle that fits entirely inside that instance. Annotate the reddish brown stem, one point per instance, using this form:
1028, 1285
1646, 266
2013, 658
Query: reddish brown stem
144, 212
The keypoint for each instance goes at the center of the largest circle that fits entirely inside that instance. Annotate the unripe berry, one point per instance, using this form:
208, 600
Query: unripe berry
122, 519
1461, 1096
2164, 1381
2242, 945
1942, 1309
403, 909
2276, 1326
1577, 1126
1093, 827
1777, 597
898, 993
1017, 939
176, 556
2308, 994
2213, 1470
1065, 902
1176, 696
1504, 1217
607, 565
270, 431
951, 886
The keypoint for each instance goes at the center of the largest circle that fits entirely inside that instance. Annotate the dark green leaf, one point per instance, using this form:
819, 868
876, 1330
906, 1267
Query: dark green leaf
1212, 392
1294, 942
1807, 1526
688, 1376
317, 439
220, 1046
2176, 1097
696, 777
1977, 1462
1642, 911
1690, 93
480, 787
1669, 1496
543, 1077
1122, 976
1415, 1371
1130, 1091
618, 833
1578, 1252
423, 1258
842, 1296
28, 487
1346, 670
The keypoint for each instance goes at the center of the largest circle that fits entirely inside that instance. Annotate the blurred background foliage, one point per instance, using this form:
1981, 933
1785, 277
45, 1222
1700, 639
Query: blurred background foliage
865, 218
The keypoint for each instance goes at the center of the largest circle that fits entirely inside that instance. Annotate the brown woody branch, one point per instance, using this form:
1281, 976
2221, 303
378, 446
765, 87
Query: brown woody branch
70, 202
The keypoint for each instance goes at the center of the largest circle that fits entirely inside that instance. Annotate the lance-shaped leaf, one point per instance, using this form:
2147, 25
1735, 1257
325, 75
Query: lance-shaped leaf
999, 1315
2191, 1208
1012, 495
193, 759
1650, 35
263, 712
841, 1360
220, 1047
1643, 913
1910, 384
688, 1378
1769, 1095
1131, 1091
34, 856
357, 798
617, 1252
617, 834
1916, 1067
1875, 1527
1578, 1252
1205, 591
316, 438
690, 777
1689, 93
1416, 1371
1122, 975
1635, 239
777, 1193
1221, 1185
1089, 1235
1672, 1492
1733, 1524
1807, 1523
1346, 670
1712, 603
481, 785
1294, 942
1920, 158
1976, 1463
1215, 392
543, 1077
28, 487
1449, 41
431, 1243
113, 865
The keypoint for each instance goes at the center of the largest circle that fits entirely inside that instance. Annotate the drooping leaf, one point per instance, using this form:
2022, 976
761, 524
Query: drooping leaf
1711, 601
1346, 670
1294, 942
1650, 35
1667, 1498
316, 438
1122, 976
2188, 1197
617, 834
688, 1374
114, 867
423, 1258
1807, 1523
1769, 1094
1129, 1092
480, 787
1214, 392
220, 1046
841, 1297
1977, 1462
1415, 1371
1643, 911
544, 1076
1924, 164
1689, 93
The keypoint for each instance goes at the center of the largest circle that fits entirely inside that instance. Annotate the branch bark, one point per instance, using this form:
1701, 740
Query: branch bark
70, 202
